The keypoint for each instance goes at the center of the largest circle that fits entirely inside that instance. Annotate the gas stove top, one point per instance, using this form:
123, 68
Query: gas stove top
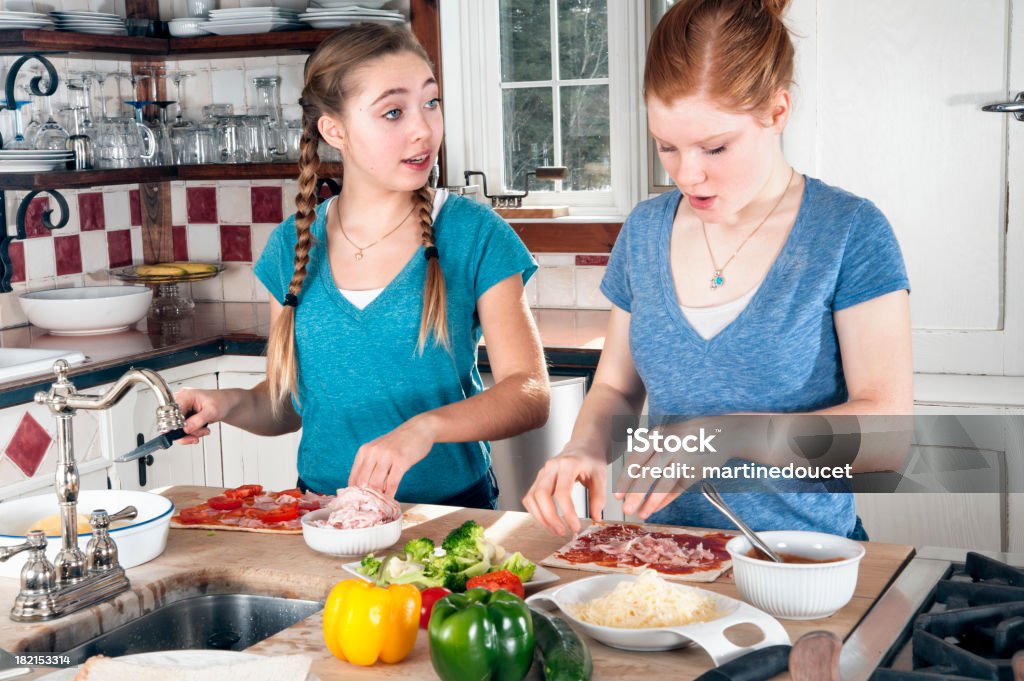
953, 617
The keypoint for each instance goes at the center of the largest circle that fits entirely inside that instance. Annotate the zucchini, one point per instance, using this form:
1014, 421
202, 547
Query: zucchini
564, 656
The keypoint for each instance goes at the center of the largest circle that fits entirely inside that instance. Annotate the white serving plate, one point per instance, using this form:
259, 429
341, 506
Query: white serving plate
35, 154
95, 31
357, 12
138, 543
85, 14
97, 23
186, 31
22, 15
29, 166
249, 27
708, 635
358, 4
186, 659
86, 310
540, 577
24, 23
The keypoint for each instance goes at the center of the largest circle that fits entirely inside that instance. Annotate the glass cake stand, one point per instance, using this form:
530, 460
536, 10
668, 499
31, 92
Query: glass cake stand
170, 300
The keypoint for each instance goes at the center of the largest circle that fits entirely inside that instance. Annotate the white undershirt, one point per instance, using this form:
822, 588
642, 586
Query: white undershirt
361, 298
708, 321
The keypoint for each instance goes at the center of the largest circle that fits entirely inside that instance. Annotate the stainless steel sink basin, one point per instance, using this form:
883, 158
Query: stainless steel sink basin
213, 621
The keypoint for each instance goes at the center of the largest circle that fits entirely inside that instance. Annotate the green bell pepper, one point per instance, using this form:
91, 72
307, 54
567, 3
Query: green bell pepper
481, 635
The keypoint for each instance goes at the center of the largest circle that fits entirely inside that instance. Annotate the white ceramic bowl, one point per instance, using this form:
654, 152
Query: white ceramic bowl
708, 635
186, 27
356, 542
141, 541
86, 310
797, 591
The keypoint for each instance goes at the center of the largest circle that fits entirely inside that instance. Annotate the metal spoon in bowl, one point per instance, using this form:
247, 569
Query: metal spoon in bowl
712, 495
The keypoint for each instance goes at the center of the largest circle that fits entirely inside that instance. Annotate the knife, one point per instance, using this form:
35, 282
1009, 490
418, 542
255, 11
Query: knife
758, 665
162, 441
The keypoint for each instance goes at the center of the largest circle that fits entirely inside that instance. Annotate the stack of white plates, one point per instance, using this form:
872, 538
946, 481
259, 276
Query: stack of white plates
98, 23
24, 20
342, 4
251, 20
33, 160
335, 17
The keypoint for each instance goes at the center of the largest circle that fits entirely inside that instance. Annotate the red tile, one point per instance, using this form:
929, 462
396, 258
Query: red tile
68, 251
34, 217
119, 247
201, 204
28, 446
266, 204
90, 211
235, 243
584, 260
179, 237
135, 207
16, 250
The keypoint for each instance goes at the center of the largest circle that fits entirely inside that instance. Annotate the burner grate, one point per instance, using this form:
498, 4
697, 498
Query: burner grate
976, 642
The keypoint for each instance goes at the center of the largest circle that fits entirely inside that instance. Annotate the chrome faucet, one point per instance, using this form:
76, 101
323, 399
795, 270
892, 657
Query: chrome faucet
76, 580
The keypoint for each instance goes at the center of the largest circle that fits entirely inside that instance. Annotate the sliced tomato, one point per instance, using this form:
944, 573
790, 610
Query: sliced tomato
244, 491
280, 514
224, 503
194, 516
500, 579
293, 492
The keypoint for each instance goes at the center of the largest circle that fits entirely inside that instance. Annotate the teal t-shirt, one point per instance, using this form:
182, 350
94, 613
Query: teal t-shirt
360, 374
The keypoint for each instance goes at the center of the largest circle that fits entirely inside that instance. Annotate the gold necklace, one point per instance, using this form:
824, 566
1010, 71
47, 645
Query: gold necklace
360, 249
717, 280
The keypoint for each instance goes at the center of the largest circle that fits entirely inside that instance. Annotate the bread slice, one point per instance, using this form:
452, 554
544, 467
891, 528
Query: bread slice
281, 668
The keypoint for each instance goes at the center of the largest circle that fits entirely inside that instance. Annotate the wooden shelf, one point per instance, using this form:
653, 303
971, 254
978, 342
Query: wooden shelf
71, 179
277, 42
20, 41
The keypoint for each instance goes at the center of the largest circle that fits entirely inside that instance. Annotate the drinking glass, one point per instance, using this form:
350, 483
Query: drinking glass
51, 134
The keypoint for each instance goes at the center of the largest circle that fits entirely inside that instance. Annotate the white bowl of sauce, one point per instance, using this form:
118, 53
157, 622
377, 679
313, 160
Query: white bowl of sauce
817, 577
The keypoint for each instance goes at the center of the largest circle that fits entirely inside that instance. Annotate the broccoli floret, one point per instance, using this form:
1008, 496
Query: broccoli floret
369, 566
464, 539
519, 565
456, 581
419, 549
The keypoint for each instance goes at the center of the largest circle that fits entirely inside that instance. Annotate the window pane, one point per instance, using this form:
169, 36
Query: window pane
525, 30
586, 147
529, 138
583, 39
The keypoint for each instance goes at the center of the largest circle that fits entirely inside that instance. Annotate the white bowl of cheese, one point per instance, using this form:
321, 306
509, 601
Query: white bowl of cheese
138, 541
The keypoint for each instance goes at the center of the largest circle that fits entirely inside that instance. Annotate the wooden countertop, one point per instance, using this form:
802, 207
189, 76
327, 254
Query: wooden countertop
197, 561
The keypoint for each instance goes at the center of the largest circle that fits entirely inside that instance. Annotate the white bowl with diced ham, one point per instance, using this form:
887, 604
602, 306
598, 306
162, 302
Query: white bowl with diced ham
358, 521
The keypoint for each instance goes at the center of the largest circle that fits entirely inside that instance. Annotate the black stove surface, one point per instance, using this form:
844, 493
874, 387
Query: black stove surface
969, 629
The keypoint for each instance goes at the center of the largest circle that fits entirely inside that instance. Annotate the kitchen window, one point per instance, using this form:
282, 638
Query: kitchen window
547, 82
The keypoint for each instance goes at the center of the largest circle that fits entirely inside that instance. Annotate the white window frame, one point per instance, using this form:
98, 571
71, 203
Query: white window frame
473, 105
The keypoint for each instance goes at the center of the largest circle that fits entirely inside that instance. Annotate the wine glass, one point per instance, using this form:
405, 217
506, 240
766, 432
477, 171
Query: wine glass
19, 141
51, 134
181, 128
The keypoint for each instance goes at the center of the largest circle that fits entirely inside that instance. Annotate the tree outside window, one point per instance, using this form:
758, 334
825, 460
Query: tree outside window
555, 91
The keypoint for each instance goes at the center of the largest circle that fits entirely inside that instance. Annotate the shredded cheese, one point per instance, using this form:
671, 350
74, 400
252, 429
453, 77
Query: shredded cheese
648, 601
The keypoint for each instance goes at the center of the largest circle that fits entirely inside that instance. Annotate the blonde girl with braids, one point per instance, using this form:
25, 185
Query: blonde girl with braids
749, 289
379, 297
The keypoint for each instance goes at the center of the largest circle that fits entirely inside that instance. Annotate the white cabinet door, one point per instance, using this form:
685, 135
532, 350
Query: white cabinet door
256, 459
888, 104
133, 421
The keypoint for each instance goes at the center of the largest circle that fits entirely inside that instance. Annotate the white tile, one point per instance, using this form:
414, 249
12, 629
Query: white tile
228, 87
588, 289
95, 257
260, 234
556, 259
204, 243
116, 209
211, 289
179, 210
291, 87
74, 220
11, 313
70, 281
137, 256
40, 261
556, 287
234, 205
238, 282
198, 93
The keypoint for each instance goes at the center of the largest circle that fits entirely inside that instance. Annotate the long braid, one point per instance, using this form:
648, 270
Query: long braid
434, 320
281, 355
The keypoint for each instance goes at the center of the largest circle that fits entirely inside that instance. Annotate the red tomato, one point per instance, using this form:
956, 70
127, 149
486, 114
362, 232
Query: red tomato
193, 516
281, 513
223, 503
293, 492
427, 600
244, 491
501, 579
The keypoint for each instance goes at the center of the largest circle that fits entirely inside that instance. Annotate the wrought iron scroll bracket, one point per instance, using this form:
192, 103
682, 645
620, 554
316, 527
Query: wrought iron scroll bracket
34, 84
6, 269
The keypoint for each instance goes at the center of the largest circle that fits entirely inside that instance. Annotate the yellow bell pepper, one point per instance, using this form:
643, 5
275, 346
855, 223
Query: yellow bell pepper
364, 623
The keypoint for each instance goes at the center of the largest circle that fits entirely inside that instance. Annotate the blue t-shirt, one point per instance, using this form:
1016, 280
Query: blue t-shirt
359, 372
781, 354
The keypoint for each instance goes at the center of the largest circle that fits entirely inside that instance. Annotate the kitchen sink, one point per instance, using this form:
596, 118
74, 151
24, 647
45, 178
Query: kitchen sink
18, 362
212, 621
